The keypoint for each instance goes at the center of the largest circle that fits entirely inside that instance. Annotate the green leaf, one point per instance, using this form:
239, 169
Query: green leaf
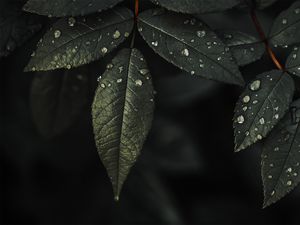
197, 6
72, 43
244, 47
57, 99
261, 4
262, 104
189, 44
286, 27
122, 114
61, 8
292, 64
15, 29
281, 157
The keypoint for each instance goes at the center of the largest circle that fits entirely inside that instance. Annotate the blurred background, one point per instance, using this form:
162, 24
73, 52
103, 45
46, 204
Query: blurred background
187, 172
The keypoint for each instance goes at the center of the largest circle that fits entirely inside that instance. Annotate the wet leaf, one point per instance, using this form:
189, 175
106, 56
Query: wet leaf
73, 42
293, 62
244, 47
122, 114
281, 157
57, 99
197, 6
188, 44
262, 104
286, 27
15, 29
61, 8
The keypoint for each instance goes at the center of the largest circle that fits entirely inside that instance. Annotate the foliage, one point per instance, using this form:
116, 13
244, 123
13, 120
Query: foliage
85, 31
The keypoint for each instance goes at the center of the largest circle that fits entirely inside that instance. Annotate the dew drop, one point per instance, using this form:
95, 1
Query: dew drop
201, 33
185, 52
104, 50
255, 85
138, 83
240, 119
71, 21
144, 71
154, 43
117, 34
262, 121
284, 21
57, 33
289, 183
246, 99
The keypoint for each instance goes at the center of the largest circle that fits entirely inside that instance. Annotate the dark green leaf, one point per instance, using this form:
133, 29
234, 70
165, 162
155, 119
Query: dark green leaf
281, 157
244, 48
16, 28
261, 4
293, 62
57, 99
61, 8
122, 114
286, 27
71, 43
262, 104
189, 44
197, 6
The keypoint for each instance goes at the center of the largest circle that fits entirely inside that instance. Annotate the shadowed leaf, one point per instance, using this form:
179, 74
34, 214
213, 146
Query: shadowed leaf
286, 27
292, 64
61, 8
244, 48
57, 99
197, 6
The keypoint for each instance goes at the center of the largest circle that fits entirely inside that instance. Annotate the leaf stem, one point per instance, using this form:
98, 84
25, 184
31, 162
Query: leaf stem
136, 11
265, 40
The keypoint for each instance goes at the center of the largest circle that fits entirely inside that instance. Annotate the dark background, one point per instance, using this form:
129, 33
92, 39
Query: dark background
187, 173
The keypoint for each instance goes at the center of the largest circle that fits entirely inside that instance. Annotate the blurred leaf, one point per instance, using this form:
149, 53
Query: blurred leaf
262, 104
57, 99
74, 42
61, 8
292, 64
244, 47
286, 27
122, 114
281, 157
16, 28
197, 6
188, 44
171, 149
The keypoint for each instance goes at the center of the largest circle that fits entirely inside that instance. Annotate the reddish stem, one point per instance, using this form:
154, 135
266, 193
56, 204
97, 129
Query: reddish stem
136, 8
265, 40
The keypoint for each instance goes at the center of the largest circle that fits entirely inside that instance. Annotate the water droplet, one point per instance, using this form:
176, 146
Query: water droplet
255, 85
144, 71
294, 56
154, 43
289, 183
262, 121
201, 33
240, 119
246, 99
289, 169
259, 137
138, 83
103, 85
109, 66
71, 21
126, 34
119, 80
117, 34
185, 52
104, 50
297, 10
57, 33
284, 21
272, 193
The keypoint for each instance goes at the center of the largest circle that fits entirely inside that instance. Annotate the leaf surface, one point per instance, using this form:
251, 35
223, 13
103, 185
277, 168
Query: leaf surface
292, 64
281, 157
286, 27
262, 104
62, 8
16, 28
57, 99
189, 44
244, 48
197, 6
72, 43
122, 114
